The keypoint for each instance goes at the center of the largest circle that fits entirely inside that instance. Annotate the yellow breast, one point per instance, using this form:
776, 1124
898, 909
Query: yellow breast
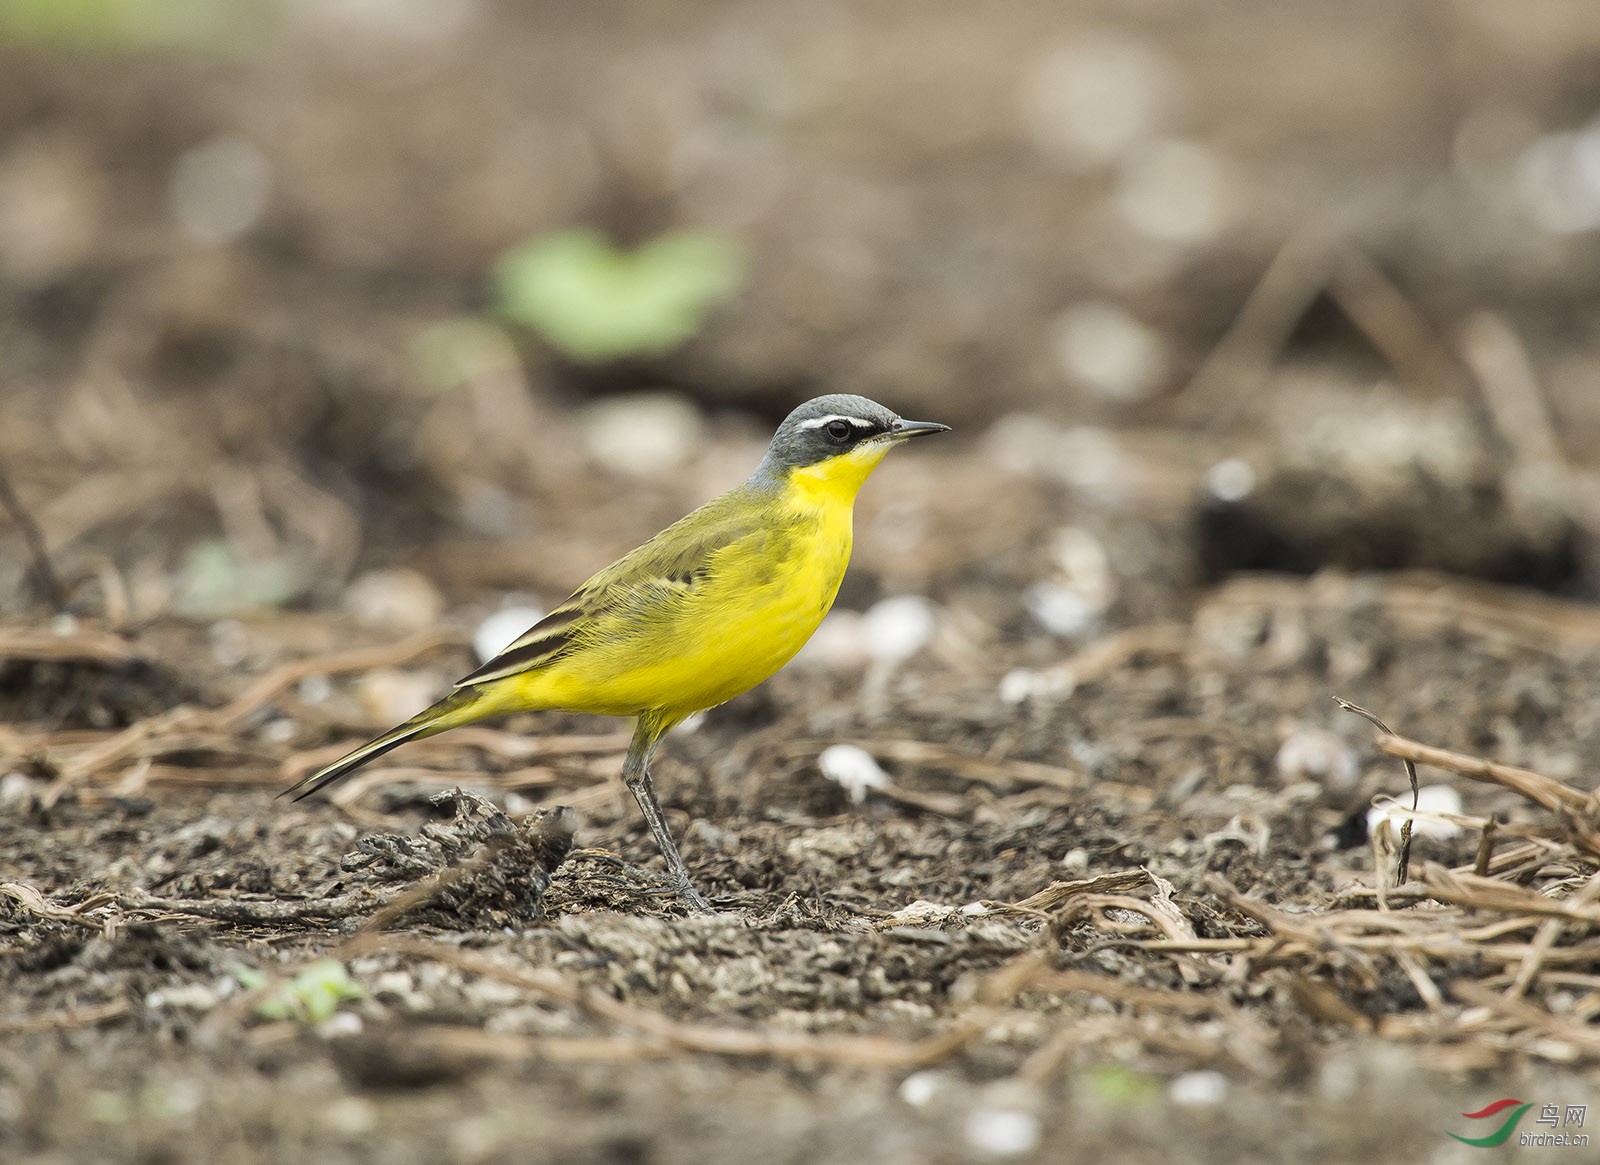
761, 600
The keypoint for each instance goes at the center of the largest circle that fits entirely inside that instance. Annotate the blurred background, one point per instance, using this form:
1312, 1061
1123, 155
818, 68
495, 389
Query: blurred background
291, 291
339, 335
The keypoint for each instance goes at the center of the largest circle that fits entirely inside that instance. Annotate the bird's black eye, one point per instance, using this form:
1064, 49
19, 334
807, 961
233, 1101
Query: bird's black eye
839, 430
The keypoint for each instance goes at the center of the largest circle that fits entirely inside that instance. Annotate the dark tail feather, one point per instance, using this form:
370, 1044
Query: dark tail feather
447, 713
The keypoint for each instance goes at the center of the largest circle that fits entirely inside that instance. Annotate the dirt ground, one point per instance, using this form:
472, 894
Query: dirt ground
1268, 336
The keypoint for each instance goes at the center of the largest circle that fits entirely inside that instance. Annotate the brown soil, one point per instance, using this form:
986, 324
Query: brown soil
1123, 841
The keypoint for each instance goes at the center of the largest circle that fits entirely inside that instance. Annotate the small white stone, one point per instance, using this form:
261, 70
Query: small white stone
1204, 1089
1558, 181
1016, 686
896, 628
1002, 1132
185, 997
1094, 97
16, 791
315, 689
398, 600
350, 1116
1079, 590
1059, 608
396, 983
1104, 348
920, 1088
501, 629
219, 188
642, 434
840, 644
230, 642
1176, 192
1316, 755
975, 910
389, 695
340, 1023
1441, 799
852, 768
922, 911
1388, 818
1231, 480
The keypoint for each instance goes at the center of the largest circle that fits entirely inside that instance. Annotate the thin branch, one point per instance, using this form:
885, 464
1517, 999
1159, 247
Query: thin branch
44, 572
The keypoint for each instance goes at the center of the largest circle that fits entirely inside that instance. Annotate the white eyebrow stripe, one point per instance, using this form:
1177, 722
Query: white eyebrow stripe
818, 422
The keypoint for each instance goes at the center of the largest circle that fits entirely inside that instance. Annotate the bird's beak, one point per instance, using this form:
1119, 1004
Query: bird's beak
904, 430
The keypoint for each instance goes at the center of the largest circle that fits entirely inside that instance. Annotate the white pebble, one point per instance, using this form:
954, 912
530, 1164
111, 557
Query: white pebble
1080, 590
1231, 480
922, 911
16, 791
974, 910
396, 983
219, 188
853, 769
1558, 181
399, 600
1087, 101
896, 628
366, 25
1105, 349
349, 1116
186, 997
920, 1088
840, 644
340, 1023
1059, 608
1443, 800
503, 628
642, 434
230, 642
1176, 192
1312, 754
1016, 686
1433, 801
389, 695
1002, 1132
315, 689
1204, 1089
1083, 559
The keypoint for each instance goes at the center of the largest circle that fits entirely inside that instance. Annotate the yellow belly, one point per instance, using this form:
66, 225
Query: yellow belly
697, 648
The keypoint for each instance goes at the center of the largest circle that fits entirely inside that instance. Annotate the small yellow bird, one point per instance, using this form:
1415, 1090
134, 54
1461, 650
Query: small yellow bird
706, 609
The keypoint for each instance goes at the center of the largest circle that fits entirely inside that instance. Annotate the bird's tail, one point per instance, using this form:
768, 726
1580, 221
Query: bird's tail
454, 710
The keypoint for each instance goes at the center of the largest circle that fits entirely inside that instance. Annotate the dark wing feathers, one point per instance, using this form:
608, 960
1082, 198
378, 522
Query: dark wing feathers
536, 646
679, 558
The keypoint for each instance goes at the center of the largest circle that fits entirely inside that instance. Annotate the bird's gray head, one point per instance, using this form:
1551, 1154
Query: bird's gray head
832, 426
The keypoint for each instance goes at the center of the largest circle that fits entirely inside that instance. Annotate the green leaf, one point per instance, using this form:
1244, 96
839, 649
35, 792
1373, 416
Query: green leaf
1116, 1086
213, 581
311, 996
126, 25
597, 303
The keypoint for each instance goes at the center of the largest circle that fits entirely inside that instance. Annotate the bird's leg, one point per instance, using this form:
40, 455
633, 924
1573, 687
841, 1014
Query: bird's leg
636, 775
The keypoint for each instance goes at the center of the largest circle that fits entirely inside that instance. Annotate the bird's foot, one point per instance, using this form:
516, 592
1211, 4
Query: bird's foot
652, 884
693, 899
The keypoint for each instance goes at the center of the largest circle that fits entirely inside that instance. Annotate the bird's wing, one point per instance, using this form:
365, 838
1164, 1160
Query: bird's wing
676, 561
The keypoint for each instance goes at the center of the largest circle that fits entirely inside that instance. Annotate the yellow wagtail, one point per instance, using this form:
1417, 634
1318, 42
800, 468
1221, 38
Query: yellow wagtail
706, 609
